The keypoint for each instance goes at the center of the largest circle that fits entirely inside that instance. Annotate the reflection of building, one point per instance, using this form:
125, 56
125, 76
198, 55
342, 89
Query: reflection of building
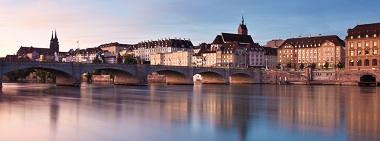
305, 110
362, 47
308, 50
363, 115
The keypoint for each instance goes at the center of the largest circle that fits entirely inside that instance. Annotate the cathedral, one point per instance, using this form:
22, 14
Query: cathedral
40, 54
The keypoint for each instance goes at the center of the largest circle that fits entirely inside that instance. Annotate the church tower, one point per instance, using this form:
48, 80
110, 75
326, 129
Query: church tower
54, 44
242, 27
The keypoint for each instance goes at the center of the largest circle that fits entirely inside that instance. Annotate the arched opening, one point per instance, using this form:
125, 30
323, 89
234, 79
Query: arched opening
367, 80
366, 62
168, 77
212, 78
241, 78
43, 75
374, 62
115, 76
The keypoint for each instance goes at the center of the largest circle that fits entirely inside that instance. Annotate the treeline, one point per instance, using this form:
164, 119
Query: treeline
39, 75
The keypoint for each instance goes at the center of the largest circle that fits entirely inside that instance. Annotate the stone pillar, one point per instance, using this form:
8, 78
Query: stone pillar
190, 74
1, 74
76, 75
72, 79
227, 77
141, 74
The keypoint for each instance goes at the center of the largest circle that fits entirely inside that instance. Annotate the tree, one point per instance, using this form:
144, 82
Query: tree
129, 59
302, 66
340, 65
289, 65
44, 75
326, 65
18, 74
278, 66
313, 65
97, 60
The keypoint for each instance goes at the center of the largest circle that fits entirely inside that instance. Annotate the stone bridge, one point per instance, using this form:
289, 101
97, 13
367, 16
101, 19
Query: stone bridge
70, 73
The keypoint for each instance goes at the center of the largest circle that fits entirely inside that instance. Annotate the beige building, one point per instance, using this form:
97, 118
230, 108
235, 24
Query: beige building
180, 58
308, 50
362, 47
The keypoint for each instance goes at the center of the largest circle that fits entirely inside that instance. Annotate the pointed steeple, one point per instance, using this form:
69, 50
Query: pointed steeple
242, 27
242, 18
55, 38
51, 36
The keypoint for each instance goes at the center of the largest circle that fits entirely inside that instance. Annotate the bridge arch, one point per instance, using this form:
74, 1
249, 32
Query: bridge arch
368, 79
172, 74
241, 78
212, 76
63, 71
123, 74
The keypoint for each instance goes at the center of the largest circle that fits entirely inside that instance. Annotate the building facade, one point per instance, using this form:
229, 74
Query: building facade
320, 50
362, 47
143, 50
179, 58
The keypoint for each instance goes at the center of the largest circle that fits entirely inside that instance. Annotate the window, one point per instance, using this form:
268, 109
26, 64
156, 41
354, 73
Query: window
359, 44
374, 62
366, 62
366, 44
351, 63
359, 63
374, 43
359, 52
366, 52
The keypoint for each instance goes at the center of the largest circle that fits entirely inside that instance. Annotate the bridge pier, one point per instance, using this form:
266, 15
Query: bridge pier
227, 77
141, 76
1, 74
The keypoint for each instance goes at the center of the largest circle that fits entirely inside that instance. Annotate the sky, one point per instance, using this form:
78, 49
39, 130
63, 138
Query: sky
95, 22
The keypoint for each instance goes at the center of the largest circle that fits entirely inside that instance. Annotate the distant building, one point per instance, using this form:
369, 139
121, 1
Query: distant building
41, 54
362, 47
308, 50
233, 49
270, 57
179, 58
143, 50
275, 43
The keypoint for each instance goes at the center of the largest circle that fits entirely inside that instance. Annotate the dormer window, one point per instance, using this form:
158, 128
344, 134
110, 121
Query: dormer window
366, 36
359, 36
351, 37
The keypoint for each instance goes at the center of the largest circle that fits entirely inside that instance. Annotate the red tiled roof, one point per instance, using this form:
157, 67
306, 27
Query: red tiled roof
364, 30
229, 37
313, 41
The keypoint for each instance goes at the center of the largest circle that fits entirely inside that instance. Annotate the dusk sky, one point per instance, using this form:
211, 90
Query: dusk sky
94, 22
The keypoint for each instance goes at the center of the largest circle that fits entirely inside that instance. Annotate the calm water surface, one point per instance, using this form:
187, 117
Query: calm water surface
103, 112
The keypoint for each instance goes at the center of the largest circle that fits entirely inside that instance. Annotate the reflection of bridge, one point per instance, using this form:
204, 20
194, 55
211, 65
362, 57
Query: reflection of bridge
70, 73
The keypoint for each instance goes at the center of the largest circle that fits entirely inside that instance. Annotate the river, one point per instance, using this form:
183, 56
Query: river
104, 112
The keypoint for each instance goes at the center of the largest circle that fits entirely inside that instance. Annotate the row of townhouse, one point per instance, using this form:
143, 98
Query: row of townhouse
361, 51
227, 50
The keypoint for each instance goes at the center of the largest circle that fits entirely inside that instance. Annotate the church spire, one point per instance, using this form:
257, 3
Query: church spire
55, 38
51, 36
242, 18
242, 27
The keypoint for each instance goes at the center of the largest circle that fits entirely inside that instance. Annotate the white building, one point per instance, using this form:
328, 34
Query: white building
143, 50
179, 58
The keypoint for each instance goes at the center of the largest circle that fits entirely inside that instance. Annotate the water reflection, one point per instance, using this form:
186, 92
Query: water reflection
202, 112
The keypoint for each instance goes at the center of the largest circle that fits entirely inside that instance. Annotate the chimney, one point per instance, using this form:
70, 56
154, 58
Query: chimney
319, 35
